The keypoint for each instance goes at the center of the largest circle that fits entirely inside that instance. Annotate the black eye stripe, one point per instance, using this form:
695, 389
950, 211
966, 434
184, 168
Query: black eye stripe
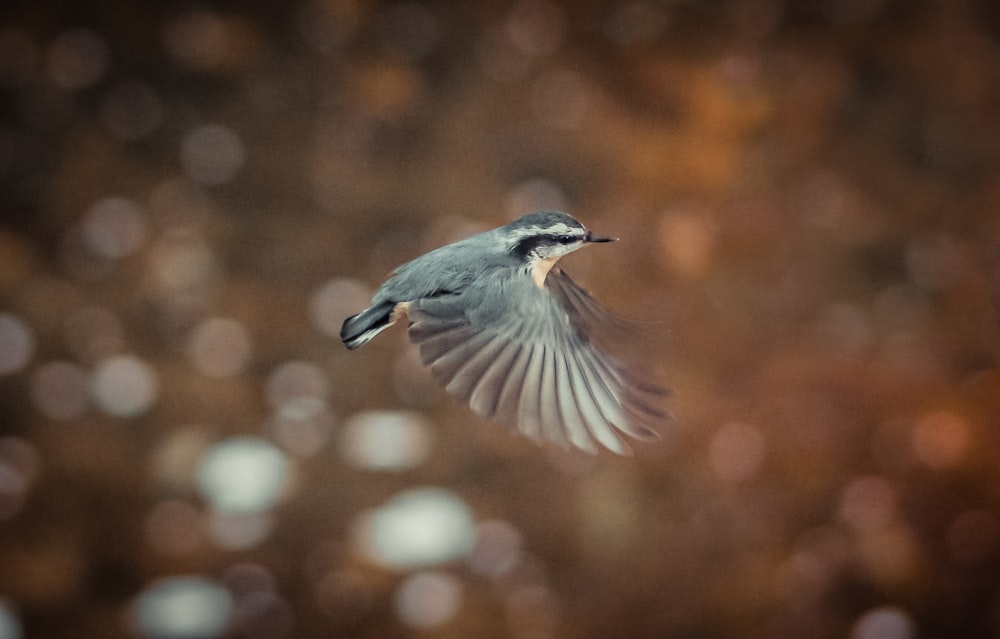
530, 243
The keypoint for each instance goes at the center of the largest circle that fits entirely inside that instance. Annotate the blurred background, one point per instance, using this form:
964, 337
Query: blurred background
194, 196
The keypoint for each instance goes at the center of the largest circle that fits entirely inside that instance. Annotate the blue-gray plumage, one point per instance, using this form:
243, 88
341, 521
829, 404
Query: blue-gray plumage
506, 331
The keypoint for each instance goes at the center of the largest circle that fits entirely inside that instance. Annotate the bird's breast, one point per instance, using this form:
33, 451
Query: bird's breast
539, 269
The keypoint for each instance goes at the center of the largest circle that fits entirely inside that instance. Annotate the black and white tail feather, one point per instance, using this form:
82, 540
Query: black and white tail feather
360, 329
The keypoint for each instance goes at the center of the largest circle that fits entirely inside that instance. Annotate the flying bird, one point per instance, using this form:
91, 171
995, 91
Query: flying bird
506, 330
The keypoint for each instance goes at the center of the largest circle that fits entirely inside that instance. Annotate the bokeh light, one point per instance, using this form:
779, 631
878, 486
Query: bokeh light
20, 467
940, 439
303, 426
239, 531
203, 40
335, 300
417, 527
17, 344
385, 440
263, 614
868, 503
124, 386
183, 265
114, 227
296, 380
242, 475
212, 154
428, 599
183, 607
178, 454
10, 627
688, 239
532, 610
497, 548
220, 347
884, 623
535, 27
818, 556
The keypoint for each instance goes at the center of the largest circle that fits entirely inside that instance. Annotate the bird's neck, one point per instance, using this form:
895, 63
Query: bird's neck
539, 269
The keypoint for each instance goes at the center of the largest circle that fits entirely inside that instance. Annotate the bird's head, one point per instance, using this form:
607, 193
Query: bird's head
547, 235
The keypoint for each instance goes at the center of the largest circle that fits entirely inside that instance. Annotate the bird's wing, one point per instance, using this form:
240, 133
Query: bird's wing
522, 355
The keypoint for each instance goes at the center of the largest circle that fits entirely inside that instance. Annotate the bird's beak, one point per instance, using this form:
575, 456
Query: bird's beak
600, 238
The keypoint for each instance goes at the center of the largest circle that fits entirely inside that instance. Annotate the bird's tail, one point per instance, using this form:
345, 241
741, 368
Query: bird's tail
359, 329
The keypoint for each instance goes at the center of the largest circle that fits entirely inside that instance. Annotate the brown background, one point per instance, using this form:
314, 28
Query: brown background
808, 196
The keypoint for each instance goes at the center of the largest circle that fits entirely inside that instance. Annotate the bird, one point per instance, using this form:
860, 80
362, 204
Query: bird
504, 329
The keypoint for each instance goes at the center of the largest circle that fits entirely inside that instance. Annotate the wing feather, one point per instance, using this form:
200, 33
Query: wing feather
591, 416
509, 399
443, 342
421, 331
590, 405
524, 356
474, 365
485, 397
548, 398
447, 365
529, 409
585, 310
570, 406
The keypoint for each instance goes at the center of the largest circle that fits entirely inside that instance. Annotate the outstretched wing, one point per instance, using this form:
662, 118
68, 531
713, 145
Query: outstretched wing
522, 355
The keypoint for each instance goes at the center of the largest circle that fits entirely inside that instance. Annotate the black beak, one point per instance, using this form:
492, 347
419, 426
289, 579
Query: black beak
599, 238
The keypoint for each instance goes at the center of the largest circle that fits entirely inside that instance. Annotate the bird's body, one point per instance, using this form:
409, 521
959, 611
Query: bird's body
505, 330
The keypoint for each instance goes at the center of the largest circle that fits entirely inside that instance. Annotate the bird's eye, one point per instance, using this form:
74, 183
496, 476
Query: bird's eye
565, 239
